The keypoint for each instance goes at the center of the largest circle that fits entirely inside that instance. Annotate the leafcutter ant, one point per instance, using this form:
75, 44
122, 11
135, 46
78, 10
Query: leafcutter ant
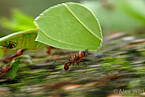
4, 70
11, 45
77, 59
18, 53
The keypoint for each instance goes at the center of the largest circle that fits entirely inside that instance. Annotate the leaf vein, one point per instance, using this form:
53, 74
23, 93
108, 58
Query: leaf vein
67, 7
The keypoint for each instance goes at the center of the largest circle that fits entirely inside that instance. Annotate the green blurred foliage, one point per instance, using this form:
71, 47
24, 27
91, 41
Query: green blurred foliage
19, 21
118, 15
134, 8
134, 83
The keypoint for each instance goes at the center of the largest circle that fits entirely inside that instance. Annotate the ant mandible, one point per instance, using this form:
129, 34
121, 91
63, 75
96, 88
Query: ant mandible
77, 59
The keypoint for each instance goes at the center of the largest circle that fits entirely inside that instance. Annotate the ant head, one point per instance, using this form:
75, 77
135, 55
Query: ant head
10, 42
81, 54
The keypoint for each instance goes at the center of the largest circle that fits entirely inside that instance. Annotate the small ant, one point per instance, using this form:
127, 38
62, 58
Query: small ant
4, 70
18, 53
11, 45
77, 58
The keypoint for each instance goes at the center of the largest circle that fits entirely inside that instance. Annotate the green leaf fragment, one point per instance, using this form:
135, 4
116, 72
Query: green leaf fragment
1, 52
69, 26
21, 40
14, 68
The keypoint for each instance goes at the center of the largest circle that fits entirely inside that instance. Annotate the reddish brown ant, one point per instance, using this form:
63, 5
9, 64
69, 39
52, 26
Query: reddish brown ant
77, 59
11, 45
4, 70
18, 53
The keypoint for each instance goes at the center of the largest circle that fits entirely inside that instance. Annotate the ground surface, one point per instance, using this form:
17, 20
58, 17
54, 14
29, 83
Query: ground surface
118, 67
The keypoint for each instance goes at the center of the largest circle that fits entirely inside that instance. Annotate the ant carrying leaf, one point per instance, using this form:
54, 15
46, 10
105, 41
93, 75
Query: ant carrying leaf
10, 58
70, 31
77, 59
11, 45
9, 72
19, 40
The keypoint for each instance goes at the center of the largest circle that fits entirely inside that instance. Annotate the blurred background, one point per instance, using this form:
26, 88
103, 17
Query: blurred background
114, 15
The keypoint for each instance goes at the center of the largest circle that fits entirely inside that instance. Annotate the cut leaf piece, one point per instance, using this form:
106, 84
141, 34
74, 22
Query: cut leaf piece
44, 39
21, 40
1, 52
69, 26
14, 68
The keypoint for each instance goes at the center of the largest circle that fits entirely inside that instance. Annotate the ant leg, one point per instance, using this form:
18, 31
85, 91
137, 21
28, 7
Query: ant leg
51, 57
69, 63
78, 62
84, 62
73, 61
5, 52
